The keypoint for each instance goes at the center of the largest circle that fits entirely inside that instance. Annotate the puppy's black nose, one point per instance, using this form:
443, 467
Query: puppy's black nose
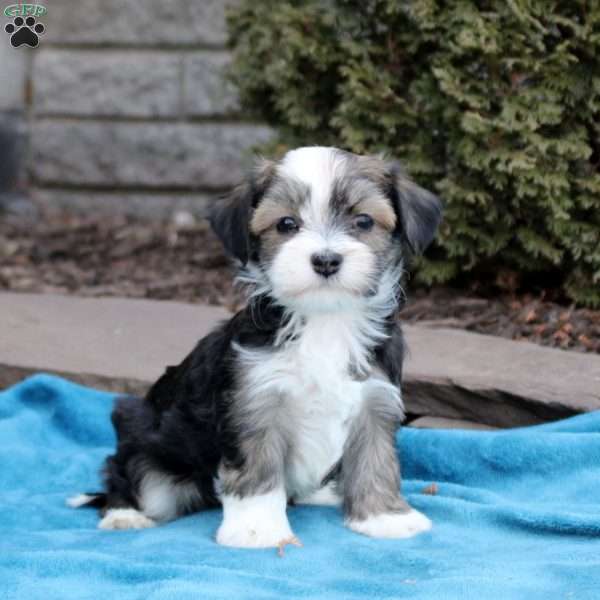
326, 263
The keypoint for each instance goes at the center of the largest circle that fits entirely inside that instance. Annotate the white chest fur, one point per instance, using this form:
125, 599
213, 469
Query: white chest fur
318, 397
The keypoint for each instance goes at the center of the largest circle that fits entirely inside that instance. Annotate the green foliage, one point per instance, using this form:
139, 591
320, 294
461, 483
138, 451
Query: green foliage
495, 104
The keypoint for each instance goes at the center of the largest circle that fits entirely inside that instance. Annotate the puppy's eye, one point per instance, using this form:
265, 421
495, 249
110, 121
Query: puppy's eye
363, 222
287, 225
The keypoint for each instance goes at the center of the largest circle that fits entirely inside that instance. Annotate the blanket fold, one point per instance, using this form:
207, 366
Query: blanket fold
516, 515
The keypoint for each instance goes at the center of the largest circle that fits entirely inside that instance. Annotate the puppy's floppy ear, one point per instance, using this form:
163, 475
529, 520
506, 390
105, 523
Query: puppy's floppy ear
230, 217
419, 211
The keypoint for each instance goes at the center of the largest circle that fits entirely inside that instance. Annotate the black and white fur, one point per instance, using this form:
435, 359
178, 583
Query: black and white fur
297, 397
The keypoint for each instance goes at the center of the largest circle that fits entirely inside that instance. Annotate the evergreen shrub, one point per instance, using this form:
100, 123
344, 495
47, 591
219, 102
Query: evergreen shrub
494, 104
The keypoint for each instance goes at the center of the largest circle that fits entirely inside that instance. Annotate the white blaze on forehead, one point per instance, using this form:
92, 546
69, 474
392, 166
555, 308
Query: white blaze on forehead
317, 167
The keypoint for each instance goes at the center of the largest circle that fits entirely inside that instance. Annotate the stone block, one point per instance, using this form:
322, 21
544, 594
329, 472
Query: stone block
107, 337
462, 375
13, 75
131, 22
141, 205
167, 155
13, 144
107, 83
206, 89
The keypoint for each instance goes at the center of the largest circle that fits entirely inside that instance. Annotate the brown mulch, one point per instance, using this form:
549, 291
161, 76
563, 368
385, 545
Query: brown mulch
115, 257
124, 257
516, 317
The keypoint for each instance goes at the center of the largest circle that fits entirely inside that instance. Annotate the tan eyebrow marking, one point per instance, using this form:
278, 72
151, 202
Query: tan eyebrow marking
379, 209
268, 212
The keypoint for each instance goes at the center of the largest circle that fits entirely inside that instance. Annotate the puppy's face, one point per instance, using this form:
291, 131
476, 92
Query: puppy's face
323, 225
324, 230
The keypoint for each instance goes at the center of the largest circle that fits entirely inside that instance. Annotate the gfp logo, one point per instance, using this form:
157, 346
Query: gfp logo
25, 10
25, 29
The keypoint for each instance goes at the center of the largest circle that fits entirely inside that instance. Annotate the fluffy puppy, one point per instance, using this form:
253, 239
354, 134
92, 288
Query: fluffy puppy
296, 398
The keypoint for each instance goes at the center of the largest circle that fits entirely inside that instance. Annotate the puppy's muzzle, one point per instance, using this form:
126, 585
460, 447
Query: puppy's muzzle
326, 263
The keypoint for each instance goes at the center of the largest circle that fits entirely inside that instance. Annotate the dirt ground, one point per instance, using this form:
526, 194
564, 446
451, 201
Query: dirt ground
128, 258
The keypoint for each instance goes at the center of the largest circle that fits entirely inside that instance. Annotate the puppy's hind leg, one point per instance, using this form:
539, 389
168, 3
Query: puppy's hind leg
116, 514
159, 497
125, 518
163, 497
121, 509
124, 471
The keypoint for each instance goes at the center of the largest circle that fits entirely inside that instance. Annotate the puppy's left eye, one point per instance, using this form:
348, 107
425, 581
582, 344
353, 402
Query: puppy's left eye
363, 222
287, 225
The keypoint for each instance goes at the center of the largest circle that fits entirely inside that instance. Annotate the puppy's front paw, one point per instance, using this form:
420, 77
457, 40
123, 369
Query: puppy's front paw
392, 525
255, 521
264, 535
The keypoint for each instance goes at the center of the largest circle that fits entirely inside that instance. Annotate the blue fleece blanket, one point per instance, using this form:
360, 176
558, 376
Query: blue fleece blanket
517, 515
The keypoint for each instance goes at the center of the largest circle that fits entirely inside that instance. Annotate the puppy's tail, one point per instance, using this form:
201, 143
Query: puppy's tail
91, 500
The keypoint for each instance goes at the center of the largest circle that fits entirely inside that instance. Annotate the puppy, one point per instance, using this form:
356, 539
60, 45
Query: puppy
297, 397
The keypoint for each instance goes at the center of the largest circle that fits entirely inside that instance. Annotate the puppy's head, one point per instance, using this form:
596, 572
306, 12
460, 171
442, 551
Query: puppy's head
321, 227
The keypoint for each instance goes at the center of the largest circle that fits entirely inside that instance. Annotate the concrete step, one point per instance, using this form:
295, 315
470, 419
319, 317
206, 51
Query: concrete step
123, 345
444, 423
462, 375
117, 344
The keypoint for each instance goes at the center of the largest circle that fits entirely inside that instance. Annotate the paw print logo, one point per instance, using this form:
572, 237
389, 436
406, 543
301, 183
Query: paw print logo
25, 32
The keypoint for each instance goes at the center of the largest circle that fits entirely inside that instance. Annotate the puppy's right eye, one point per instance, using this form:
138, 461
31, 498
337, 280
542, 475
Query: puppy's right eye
287, 225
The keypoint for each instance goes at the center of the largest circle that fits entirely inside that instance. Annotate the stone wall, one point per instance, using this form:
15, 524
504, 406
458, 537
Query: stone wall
123, 108
13, 129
